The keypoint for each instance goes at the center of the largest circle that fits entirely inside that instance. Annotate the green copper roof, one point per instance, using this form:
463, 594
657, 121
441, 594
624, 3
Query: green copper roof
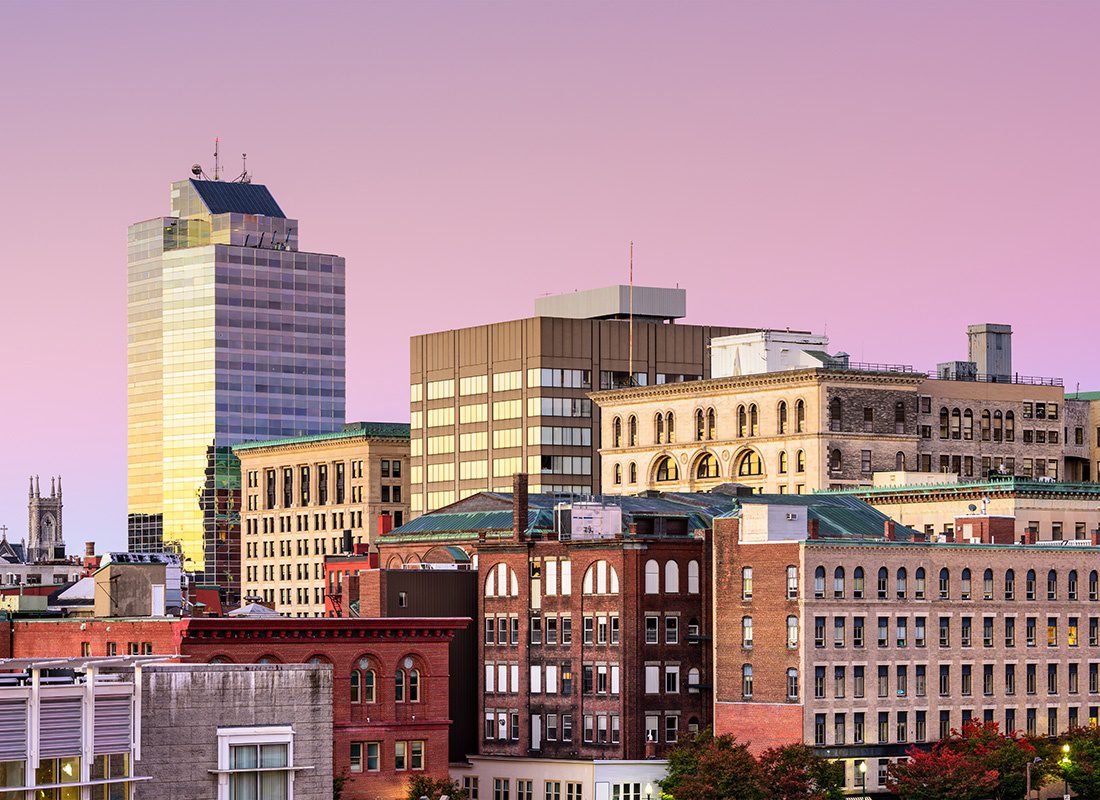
1083, 395
838, 517
353, 430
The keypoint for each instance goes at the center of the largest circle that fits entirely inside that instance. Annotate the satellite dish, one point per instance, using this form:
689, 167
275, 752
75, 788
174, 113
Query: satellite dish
972, 507
196, 169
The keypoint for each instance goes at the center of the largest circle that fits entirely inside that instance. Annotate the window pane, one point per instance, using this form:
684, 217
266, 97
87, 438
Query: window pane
244, 757
243, 787
273, 786
273, 755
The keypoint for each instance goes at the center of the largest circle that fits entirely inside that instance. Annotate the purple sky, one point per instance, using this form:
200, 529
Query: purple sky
892, 171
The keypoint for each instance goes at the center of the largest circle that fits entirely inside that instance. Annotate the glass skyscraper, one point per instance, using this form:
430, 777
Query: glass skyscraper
233, 335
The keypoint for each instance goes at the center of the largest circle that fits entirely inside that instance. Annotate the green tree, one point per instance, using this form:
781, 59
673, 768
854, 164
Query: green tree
709, 767
432, 788
795, 772
1080, 767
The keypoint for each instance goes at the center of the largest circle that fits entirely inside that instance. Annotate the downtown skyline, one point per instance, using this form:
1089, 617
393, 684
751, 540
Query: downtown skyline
907, 176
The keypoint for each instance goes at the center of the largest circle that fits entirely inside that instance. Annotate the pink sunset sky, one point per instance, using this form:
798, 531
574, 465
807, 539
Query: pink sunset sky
890, 171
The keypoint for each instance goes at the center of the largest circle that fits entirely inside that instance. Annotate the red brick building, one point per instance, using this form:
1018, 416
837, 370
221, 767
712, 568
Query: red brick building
594, 618
390, 677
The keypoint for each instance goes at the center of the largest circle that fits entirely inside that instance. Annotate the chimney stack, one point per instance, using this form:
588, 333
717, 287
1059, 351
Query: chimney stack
89, 549
813, 527
888, 530
385, 524
519, 505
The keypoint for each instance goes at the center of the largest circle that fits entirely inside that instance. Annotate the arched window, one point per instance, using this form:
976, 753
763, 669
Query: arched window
902, 583
746, 583
667, 469
364, 680
1029, 586
693, 577
617, 432
399, 686
945, 584
693, 680
899, 461
883, 586
601, 578
501, 581
268, 659
1094, 585
819, 582
987, 585
792, 632
632, 426
742, 422
710, 423
700, 425
986, 426
945, 423
633, 472
707, 467
670, 427
1010, 426
838, 582
836, 461
652, 577
782, 462
899, 416
754, 420
968, 425
800, 461
746, 681
1052, 585
998, 426
792, 583
781, 416
1010, 584
750, 465
792, 684
800, 416
618, 474
918, 583
956, 424
836, 412
964, 587
414, 685
672, 577
659, 428
857, 583
746, 632
1071, 589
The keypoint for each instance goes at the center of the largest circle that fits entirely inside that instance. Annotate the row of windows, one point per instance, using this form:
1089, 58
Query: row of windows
407, 755
966, 588
706, 424
920, 637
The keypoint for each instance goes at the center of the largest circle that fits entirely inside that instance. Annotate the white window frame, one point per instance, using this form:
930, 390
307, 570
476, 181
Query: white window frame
255, 735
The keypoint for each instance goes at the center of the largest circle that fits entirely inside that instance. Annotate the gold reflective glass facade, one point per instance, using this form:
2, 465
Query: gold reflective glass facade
233, 335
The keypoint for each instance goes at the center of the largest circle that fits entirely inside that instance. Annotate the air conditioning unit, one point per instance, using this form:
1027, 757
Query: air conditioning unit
791, 516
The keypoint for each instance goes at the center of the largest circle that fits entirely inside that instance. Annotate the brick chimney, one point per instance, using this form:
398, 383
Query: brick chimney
385, 524
1095, 537
89, 549
519, 505
813, 528
888, 530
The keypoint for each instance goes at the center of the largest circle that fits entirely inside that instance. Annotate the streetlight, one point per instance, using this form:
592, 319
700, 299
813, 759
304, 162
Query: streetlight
863, 779
1065, 778
649, 791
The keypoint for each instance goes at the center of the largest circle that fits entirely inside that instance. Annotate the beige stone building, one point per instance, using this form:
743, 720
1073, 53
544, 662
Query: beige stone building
310, 496
784, 417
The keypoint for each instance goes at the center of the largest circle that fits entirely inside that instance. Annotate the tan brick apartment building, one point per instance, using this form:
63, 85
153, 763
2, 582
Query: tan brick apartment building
494, 400
864, 644
311, 496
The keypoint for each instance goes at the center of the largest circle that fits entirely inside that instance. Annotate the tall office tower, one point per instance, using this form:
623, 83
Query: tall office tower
234, 335
494, 400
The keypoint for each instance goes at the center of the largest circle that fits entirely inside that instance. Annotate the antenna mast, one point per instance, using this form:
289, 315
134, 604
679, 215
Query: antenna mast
630, 364
217, 163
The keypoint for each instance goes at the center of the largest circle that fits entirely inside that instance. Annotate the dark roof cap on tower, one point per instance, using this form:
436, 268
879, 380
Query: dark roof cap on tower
222, 197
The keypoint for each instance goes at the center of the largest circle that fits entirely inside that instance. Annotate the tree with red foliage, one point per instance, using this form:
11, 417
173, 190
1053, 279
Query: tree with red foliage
1006, 754
795, 772
712, 767
942, 773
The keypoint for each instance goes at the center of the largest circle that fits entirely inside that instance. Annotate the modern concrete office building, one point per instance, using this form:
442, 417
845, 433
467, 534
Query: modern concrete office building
491, 401
234, 335
309, 497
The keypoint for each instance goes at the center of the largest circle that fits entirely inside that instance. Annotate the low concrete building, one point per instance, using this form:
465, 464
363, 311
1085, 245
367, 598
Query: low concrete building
569, 779
236, 731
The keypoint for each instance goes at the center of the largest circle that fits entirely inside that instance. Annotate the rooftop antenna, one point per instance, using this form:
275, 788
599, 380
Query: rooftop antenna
244, 177
217, 163
630, 349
